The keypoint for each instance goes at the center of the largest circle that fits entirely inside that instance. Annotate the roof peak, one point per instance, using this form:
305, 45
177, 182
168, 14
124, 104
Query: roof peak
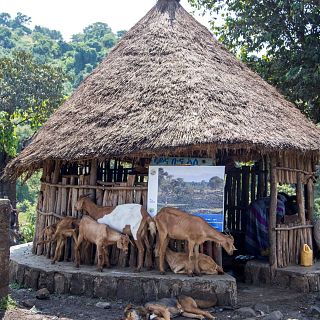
168, 6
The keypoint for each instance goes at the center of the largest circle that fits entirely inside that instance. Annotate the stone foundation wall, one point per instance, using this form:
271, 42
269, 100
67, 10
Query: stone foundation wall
300, 279
5, 210
36, 272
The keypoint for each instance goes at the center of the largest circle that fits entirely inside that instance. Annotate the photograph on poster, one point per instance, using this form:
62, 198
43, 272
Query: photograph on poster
198, 190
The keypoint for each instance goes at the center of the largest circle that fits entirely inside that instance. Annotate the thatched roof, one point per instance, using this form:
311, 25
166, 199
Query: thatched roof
167, 84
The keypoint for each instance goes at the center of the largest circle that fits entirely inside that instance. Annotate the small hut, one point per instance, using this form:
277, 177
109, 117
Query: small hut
169, 88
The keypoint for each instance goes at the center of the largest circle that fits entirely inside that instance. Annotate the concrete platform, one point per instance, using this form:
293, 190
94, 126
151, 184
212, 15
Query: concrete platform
37, 272
298, 278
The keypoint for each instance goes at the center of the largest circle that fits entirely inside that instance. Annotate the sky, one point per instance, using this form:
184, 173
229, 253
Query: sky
71, 16
195, 174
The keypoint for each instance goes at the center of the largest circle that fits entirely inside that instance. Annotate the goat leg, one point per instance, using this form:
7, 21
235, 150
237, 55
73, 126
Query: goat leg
191, 246
140, 247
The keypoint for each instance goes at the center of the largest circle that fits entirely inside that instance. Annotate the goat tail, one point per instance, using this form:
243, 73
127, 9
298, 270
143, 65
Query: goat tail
152, 227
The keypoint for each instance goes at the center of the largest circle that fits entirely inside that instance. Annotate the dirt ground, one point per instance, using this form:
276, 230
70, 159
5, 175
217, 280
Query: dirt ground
65, 307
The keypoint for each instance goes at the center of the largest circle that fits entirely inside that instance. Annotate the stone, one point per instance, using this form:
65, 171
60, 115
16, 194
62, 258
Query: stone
28, 303
103, 305
315, 311
275, 315
246, 312
261, 307
43, 294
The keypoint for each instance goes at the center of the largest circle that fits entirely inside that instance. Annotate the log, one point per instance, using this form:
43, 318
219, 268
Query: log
310, 200
217, 254
99, 197
64, 197
253, 185
260, 181
93, 177
291, 246
272, 215
279, 248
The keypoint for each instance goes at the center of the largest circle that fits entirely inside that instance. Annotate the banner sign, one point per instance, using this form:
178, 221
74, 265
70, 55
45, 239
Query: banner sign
198, 190
181, 161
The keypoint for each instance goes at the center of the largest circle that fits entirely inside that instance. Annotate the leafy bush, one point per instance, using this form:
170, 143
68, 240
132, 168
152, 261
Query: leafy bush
7, 303
27, 195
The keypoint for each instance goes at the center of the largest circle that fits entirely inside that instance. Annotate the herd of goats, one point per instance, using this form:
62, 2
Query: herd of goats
105, 226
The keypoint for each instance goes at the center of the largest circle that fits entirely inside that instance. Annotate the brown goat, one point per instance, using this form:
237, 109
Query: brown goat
47, 234
176, 224
167, 308
179, 263
102, 236
67, 227
142, 241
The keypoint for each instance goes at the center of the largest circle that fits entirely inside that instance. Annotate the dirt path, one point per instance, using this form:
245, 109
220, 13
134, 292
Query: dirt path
291, 304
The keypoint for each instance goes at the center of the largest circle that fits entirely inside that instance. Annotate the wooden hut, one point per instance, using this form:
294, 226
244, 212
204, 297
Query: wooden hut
169, 88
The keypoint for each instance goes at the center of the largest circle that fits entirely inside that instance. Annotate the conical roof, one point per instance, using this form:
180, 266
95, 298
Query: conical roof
168, 83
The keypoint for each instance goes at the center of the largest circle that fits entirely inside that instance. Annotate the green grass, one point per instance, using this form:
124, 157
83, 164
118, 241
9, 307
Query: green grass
7, 303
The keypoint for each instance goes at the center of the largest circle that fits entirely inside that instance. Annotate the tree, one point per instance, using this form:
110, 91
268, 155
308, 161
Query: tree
216, 182
277, 38
29, 93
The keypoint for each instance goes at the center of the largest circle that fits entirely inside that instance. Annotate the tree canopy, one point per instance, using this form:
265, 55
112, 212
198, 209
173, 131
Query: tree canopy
77, 57
29, 92
279, 39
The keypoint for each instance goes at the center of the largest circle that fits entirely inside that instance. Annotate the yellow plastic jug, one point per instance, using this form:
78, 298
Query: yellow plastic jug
306, 256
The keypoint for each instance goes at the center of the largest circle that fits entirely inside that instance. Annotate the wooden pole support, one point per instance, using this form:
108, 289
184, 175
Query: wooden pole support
273, 216
310, 202
93, 177
217, 254
5, 209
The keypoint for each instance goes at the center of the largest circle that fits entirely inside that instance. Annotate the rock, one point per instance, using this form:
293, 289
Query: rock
315, 311
103, 305
43, 294
35, 310
28, 303
275, 315
261, 307
246, 312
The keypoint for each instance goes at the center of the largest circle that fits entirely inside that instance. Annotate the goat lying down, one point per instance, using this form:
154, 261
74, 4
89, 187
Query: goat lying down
179, 263
167, 308
102, 236
173, 223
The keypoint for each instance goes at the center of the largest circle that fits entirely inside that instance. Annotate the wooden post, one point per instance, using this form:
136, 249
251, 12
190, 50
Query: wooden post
310, 202
273, 216
5, 210
217, 254
93, 177
300, 198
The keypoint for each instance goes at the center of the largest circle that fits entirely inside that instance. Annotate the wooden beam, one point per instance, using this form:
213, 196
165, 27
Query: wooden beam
273, 216
310, 202
300, 198
217, 254
93, 177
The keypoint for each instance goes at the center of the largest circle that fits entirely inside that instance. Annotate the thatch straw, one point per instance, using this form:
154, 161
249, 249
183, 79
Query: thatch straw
168, 83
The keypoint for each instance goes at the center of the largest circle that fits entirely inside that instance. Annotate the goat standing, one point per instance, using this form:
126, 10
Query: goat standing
176, 224
131, 219
102, 236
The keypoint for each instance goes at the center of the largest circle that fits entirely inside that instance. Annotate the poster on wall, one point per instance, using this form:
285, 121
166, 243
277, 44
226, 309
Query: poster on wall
198, 190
